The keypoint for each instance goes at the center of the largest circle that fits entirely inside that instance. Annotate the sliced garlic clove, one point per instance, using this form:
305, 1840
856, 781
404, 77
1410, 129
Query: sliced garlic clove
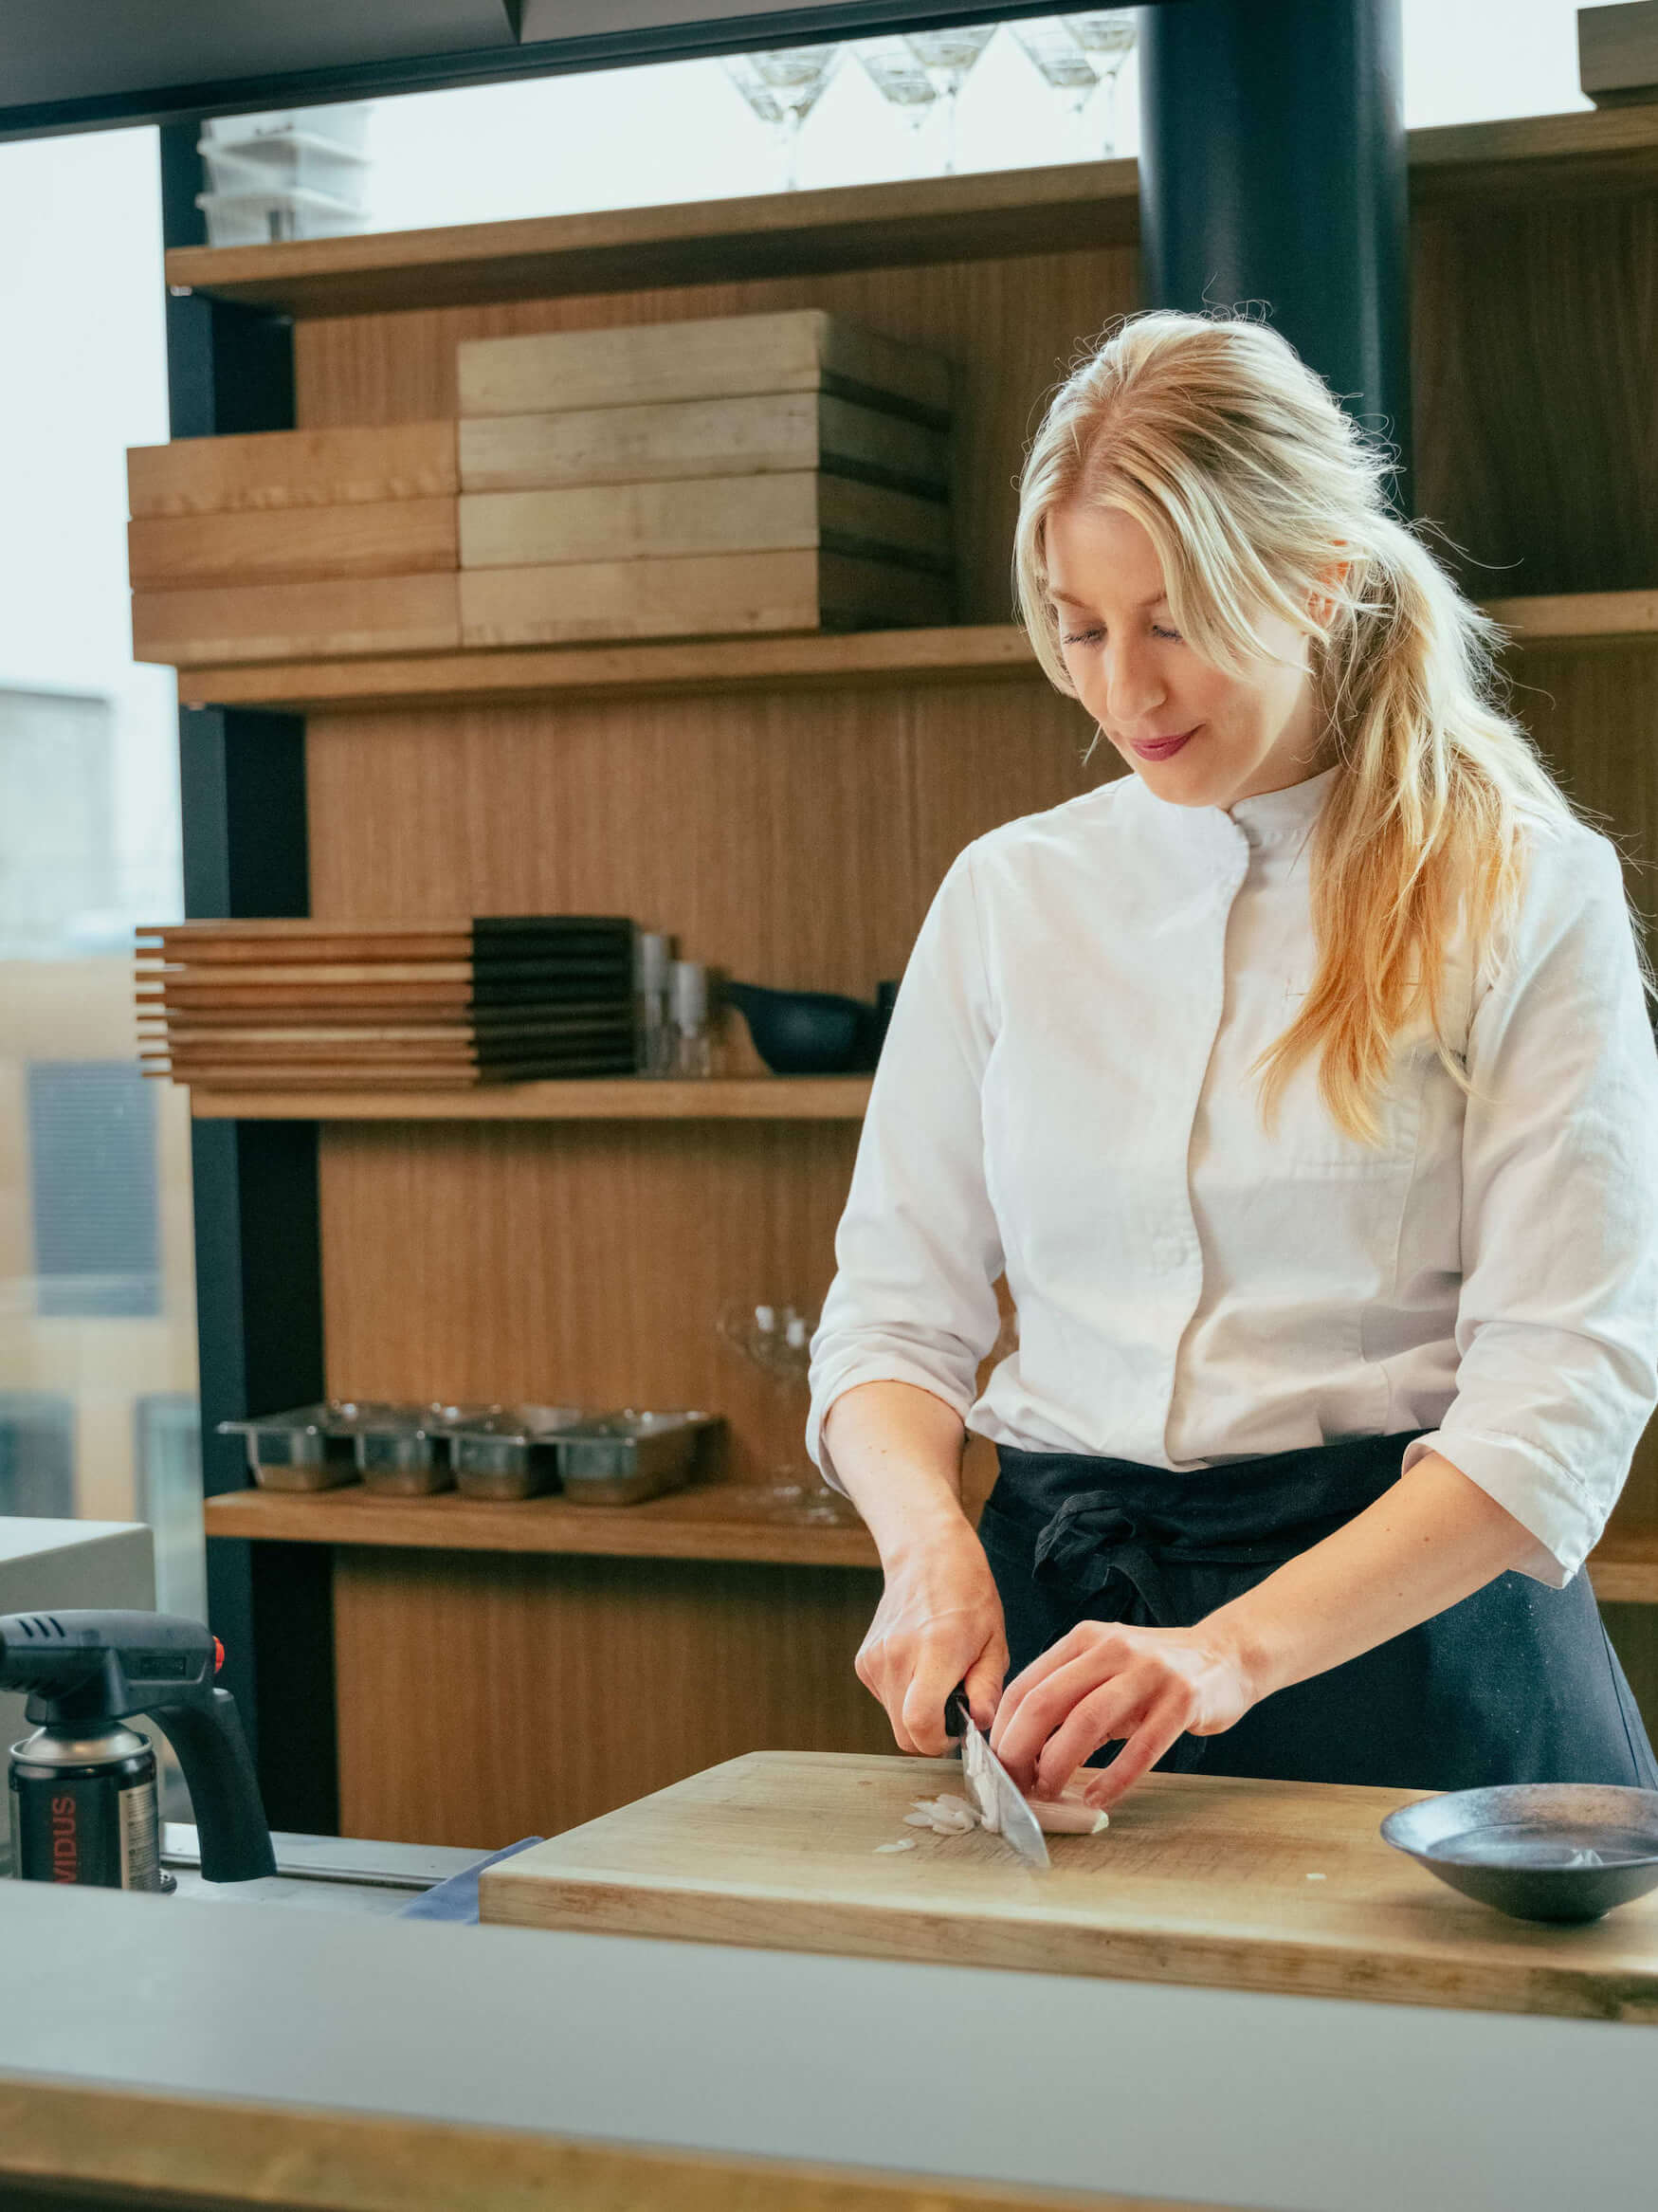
1068, 1816
906, 1844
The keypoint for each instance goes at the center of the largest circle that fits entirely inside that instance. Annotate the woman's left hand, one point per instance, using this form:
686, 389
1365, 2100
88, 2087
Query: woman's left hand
1107, 1681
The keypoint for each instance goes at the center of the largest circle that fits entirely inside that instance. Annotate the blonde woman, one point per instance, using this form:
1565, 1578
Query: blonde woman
1302, 1083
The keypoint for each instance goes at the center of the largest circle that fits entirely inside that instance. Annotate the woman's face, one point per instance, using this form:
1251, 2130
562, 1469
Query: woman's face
1141, 681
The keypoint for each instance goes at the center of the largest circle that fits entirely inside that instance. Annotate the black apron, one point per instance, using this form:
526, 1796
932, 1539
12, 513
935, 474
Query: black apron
1516, 1684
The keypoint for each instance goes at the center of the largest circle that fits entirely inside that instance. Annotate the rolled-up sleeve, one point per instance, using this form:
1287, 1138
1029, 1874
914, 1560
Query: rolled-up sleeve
1556, 1331
918, 1250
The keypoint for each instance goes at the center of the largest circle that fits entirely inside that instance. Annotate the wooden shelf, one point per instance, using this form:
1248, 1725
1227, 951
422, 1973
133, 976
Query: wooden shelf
986, 652
1578, 618
989, 215
626, 1097
717, 1520
720, 1520
700, 242
1623, 1568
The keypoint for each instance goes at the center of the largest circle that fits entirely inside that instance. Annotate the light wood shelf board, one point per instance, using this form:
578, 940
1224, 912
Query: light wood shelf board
982, 652
844, 227
1579, 617
971, 652
848, 226
628, 1098
1623, 1568
718, 1521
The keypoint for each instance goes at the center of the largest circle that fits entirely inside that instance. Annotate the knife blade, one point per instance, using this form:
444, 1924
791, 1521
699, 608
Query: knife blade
1000, 1806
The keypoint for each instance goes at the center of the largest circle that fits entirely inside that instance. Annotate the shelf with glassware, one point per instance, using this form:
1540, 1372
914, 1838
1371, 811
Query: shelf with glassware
972, 653
979, 215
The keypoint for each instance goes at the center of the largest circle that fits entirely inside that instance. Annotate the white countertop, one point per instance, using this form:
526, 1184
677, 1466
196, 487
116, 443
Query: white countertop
1306, 2105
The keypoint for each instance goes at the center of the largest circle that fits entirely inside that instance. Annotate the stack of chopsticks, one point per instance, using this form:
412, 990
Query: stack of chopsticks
296, 1005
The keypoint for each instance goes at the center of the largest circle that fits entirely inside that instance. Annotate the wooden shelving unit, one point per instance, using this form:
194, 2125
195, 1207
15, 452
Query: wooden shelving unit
774, 1098
788, 806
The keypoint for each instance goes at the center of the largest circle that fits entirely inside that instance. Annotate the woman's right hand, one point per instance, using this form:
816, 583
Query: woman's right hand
939, 1623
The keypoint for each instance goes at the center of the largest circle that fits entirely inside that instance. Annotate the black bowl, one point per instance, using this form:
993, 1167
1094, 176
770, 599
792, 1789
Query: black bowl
1536, 1851
812, 1032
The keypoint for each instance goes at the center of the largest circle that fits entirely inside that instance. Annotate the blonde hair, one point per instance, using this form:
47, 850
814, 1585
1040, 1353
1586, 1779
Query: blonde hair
1254, 485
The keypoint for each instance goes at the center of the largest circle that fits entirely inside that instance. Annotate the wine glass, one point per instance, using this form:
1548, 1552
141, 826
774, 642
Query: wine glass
901, 79
786, 81
1107, 36
947, 56
1051, 45
777, 1340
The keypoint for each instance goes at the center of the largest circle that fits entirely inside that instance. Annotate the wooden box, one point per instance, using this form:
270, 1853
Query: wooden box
696, 596
757, 434
801, 349
707, 516
295, 544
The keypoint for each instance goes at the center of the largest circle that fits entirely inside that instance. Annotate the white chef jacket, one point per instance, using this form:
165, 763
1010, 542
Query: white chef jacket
1064, 1094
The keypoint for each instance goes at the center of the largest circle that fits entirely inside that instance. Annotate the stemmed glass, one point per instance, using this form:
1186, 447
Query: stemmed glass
777, 1340
783, 85
947, 56
901, 79
1107, 36
1051, 44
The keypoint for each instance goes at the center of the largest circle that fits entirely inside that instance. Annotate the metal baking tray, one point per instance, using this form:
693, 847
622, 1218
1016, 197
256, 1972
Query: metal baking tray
308, 1448
619, 1459
510, 1453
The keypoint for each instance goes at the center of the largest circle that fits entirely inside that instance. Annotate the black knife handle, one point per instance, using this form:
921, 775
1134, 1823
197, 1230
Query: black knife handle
957, 1714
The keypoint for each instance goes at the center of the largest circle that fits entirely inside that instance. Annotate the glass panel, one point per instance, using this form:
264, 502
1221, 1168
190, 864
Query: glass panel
1018, 95
97, 1378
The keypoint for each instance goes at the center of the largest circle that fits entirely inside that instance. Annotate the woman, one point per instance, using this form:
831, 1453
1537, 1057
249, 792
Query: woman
1326, 1383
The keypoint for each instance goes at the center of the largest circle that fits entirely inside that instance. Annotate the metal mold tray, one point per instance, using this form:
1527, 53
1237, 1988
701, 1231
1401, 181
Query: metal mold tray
511, 1452
1536, 1851
620, 1458
308, 1448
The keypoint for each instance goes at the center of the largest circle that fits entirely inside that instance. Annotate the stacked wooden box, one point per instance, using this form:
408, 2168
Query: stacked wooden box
755, 472
751, 473
295, 544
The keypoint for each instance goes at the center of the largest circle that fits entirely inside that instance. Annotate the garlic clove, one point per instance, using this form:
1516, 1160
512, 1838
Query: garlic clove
906, 1844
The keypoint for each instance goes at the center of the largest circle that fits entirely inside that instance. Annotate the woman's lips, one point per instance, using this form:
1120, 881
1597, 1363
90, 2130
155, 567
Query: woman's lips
1163, 748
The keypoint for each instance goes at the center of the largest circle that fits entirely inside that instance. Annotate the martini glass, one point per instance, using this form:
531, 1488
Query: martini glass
901, 80
1107, 36
947, 56
788, 82
1051, 44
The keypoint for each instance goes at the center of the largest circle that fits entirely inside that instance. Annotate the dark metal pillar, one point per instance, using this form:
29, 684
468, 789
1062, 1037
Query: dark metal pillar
258, 1298
1272, 171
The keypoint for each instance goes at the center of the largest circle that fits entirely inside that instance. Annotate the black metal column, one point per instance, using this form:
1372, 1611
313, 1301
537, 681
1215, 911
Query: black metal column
258, 1298
1273, 169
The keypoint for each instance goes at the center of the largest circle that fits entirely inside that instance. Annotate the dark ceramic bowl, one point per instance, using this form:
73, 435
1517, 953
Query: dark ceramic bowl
813, 1032
1536, 1851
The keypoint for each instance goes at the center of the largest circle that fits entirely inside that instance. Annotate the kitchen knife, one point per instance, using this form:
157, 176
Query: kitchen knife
1000, 1806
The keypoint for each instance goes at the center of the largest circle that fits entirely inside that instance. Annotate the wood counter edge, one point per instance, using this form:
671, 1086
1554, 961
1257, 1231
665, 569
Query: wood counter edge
288, 2157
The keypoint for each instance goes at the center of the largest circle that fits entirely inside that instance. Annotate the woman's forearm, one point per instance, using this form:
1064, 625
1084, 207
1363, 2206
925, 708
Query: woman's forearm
1432, 1540
897, 1449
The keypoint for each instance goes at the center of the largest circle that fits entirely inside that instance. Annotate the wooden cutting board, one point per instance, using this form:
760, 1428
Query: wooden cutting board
1235, 1885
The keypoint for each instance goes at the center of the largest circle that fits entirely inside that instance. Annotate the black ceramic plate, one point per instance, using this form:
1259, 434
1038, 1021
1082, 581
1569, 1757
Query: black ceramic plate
1536, 1851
